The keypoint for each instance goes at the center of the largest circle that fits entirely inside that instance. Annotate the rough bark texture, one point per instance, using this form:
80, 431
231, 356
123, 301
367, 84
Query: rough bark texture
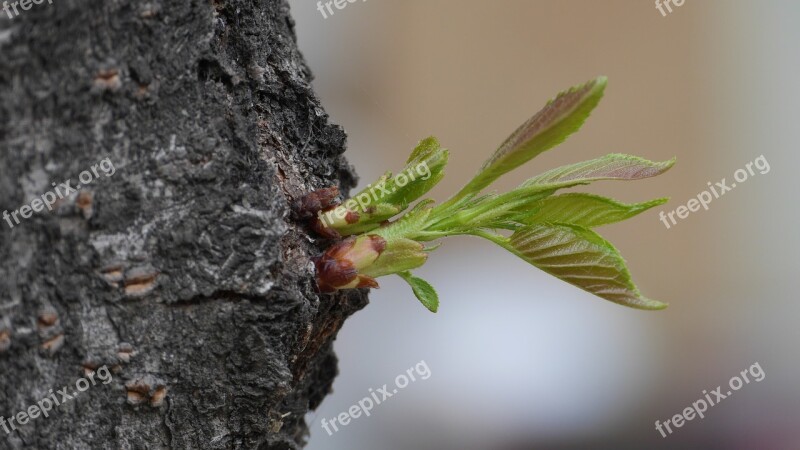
183, 271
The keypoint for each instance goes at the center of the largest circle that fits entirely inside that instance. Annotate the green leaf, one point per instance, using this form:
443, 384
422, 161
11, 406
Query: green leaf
423, 291
423, 150
610, 167
424, 170
585, 210
496, 211
560, 118
615, 166
582, 258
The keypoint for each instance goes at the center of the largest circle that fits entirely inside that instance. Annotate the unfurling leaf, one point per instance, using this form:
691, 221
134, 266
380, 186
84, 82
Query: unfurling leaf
486, 211
423, 171
582, 258
585, 210
424, 292
615, 166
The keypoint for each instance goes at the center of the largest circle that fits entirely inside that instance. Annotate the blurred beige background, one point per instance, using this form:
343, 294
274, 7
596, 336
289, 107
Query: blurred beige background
521, 360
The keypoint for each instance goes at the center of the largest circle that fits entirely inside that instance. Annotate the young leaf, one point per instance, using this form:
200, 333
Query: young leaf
582, 258
424, 148
560, 118
423, 291
485, 211
424, 170
615, 166
585, 210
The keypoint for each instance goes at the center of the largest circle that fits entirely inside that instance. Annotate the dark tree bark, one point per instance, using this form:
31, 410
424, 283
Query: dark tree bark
183, 272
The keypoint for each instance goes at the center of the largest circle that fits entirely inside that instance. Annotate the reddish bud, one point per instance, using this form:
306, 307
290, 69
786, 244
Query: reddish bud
310, 204
339, 266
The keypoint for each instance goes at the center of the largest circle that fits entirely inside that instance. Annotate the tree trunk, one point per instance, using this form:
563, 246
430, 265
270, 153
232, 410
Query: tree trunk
177, 265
